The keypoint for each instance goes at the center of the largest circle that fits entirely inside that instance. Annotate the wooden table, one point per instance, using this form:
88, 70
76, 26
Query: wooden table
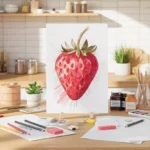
73, 142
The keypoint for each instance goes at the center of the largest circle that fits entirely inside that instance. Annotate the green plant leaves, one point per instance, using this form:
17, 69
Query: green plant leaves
122, 55
34, 89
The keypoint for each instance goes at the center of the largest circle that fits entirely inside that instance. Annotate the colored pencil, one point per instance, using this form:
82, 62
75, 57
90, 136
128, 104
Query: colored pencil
16, 128
10, 129
41, 126
29, 126
134, 123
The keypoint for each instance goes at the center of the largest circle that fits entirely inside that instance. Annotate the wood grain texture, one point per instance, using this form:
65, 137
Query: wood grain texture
73, 142
49, 15
23, 80
138, 58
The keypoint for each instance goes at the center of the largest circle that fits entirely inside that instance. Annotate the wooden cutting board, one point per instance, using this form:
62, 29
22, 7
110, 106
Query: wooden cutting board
138, 58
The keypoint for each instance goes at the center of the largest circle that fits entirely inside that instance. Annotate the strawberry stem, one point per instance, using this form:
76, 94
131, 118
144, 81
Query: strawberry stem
79, 40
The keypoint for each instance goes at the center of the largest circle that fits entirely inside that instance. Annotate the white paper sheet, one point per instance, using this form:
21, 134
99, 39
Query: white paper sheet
34, 134
135, 134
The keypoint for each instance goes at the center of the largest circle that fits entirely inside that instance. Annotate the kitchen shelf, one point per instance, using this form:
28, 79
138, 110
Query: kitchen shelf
49, 15
114, 81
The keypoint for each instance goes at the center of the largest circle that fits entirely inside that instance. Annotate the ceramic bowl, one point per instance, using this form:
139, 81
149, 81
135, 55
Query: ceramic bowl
11, 8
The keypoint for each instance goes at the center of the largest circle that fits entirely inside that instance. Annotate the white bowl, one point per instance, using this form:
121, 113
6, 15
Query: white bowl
11, 10
11, 6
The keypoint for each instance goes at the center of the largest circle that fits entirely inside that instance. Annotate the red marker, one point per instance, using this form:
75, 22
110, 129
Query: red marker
107, 127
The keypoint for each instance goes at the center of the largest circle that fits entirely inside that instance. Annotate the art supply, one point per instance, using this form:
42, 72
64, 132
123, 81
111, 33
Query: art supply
91, 115
72, 127
81, 122
34, 134
29, 126
12, 107
55, 131
18, 129
107, 127
142, 93
33, 110
10, 129
9, 110
140, 113
90, 121
33, 123
130, 102
135, 134
134, 123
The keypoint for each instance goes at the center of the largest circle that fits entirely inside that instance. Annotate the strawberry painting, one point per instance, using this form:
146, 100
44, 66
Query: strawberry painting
76, 67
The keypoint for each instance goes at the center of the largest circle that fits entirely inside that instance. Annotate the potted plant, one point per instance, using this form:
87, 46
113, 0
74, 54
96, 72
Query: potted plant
122, 56
33, 95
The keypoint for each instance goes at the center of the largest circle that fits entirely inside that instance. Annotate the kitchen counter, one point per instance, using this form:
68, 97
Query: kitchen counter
113, 80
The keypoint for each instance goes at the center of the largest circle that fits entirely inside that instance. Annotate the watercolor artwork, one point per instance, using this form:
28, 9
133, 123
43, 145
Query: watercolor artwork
76, 75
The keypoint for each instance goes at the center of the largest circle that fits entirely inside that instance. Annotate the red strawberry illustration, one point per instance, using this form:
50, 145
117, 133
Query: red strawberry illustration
76, 68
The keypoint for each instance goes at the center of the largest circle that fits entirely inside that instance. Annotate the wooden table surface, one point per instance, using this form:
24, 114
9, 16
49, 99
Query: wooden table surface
73, 142
23, 80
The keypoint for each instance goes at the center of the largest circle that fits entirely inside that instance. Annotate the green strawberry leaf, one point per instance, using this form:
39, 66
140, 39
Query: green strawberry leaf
72, 52
85, 45
65, 50
67, 46
92, 48
78, 53
73, 44
84, 53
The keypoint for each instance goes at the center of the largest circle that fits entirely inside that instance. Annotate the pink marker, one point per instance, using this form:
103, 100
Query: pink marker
107, 127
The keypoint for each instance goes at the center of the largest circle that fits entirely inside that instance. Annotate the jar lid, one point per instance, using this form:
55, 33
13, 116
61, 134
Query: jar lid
84, 2
77, 3
20, 60
69, 3
32, 60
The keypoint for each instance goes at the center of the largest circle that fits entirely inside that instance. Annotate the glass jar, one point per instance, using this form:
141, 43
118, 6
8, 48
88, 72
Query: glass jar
32, 66
84, 7
77, 7
3, 63
20, 66
69, 7
115, 101
131, 102
143, 96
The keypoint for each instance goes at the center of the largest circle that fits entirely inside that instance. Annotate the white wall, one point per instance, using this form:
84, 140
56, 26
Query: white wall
128, 21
